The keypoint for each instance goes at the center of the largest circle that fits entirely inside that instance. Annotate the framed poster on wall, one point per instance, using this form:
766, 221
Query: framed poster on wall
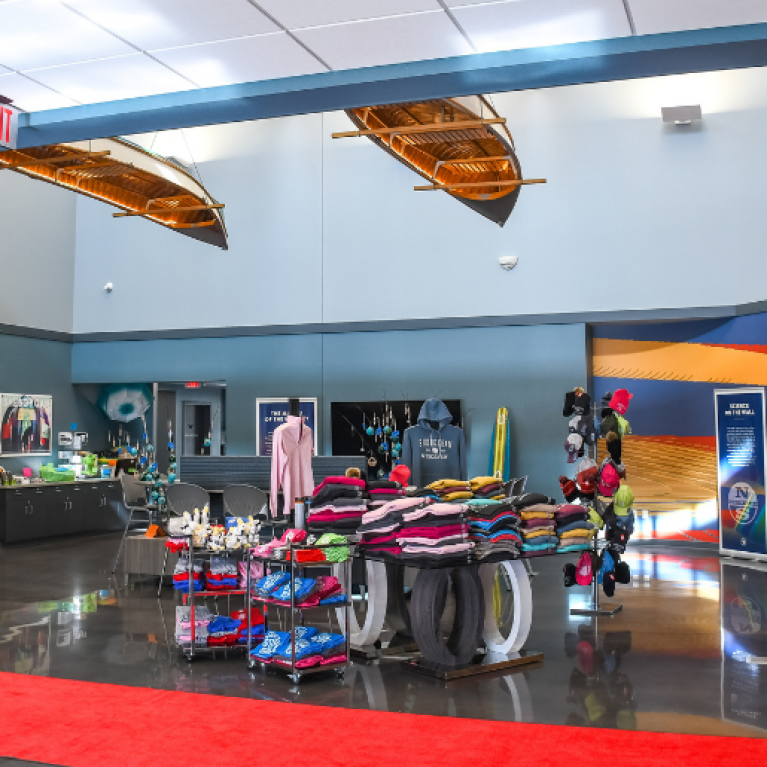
741, 470
271, 413
26, 424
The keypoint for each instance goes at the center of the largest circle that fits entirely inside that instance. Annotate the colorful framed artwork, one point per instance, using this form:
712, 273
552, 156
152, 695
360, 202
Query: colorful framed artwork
26, 424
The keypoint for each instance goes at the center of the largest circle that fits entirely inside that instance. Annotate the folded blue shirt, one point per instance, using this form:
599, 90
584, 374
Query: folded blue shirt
269, 583
222, 623
272, 642
302, 588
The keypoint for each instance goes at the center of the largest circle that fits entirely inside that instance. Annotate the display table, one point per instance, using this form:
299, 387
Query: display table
474, 616
48, 509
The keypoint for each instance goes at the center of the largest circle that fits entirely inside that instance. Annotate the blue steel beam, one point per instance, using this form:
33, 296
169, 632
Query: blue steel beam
600, 61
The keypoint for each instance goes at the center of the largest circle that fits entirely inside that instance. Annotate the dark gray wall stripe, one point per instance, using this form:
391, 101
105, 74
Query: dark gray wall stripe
381, 326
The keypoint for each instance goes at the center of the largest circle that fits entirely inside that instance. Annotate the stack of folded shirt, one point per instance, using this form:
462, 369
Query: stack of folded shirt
223, 631
312, 648
176, 545
434, 534
382, 491
222, 574
380, 526
494, 530
256, 625
487, 487
277, 548
337, 505
451, 490
573, 527
202, 618
309, 592
538, 526
181, 575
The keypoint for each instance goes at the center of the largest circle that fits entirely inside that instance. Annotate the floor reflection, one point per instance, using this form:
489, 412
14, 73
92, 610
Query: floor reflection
677, 658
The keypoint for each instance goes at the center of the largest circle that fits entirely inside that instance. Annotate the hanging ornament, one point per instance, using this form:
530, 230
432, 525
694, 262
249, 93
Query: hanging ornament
149, 449
385, 445
395, 434
172, 464
171, 478
372, 461
381, 449
379, 431
370, 431
380, 473
171, 446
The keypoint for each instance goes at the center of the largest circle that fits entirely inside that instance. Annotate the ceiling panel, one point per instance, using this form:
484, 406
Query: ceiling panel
531, 23
386, 41
652, 16
313, 13
112, 79
39, 33
150, 24
237, 61
2, 68
31, 96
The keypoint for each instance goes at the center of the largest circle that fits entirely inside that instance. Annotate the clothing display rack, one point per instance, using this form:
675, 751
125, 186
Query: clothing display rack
192, 649
295, 673
593, 607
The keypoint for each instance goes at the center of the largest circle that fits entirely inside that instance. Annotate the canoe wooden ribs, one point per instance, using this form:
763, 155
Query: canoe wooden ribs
460, 145
129, 177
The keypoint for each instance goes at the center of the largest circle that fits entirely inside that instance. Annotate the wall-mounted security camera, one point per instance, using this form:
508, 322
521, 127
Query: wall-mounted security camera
108, 287
508, 262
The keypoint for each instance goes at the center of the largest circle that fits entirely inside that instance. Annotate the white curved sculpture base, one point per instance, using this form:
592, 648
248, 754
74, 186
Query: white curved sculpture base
523, 607
376, 612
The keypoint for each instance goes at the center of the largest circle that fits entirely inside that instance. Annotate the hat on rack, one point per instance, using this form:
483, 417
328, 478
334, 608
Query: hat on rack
569, 489
573, 445
622, 572
613, 445
583, 571
569, 575
582, 402
620, 401
608, 583
587, 475
609, 480
624, 497
606, 403
609, 423
569, 407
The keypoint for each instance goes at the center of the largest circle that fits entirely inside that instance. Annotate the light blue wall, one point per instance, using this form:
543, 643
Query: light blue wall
526, 369
635, 215
36, 366
37, 253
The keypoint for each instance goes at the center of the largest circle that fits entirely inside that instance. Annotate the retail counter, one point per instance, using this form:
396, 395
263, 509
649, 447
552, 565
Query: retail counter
48, 509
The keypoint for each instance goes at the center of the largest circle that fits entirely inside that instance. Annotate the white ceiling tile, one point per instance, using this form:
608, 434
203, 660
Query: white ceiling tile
651, 16
40, 33
4, 69
124, 77
313, 13
150, 24
31, 96
532, 23
238, 61
386, 41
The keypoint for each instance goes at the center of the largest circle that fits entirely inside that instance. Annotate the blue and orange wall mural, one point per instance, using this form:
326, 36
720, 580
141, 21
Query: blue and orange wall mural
673, 369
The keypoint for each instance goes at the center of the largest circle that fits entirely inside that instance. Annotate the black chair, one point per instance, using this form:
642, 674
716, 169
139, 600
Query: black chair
134, 499
245, 501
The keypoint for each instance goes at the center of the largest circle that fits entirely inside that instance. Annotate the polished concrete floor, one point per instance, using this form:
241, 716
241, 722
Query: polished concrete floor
680, 657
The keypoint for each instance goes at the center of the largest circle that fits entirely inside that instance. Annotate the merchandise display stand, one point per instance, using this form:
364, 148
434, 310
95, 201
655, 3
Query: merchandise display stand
192, 649
296, 612
593, 607
502, 653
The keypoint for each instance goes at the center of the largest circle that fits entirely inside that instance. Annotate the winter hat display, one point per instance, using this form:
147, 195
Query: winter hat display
619, 402
574, 447
608, 480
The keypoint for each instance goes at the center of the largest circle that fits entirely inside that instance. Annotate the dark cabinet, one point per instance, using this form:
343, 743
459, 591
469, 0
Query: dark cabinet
45, 511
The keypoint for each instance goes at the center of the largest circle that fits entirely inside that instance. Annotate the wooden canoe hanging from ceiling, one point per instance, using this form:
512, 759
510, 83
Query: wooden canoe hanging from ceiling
129, 177
460, 145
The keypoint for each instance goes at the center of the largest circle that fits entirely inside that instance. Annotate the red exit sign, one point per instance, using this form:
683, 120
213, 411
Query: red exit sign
192, 384
9, 127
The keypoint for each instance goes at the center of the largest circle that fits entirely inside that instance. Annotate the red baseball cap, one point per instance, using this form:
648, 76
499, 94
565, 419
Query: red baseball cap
400, 474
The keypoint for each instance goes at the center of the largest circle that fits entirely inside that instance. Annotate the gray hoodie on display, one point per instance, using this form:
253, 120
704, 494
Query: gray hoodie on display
434, 453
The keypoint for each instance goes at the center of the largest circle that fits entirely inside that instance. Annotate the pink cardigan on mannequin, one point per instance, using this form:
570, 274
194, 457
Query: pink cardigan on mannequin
292, 450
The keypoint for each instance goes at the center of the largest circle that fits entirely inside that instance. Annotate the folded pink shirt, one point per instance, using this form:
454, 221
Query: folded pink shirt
361, 507
397, 505
456, 548
437, 509
353, 481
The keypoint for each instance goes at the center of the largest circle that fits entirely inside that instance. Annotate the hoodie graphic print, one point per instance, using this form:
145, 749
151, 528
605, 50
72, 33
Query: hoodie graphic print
434, 453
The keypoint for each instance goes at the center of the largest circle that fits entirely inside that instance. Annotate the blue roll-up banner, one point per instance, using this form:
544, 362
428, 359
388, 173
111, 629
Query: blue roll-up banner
271, 413
740, 452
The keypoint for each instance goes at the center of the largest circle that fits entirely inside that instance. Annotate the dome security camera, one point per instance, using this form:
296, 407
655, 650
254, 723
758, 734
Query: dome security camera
508, 262
108, 287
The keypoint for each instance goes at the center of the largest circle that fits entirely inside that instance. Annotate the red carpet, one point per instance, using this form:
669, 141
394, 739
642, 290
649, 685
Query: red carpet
89, 725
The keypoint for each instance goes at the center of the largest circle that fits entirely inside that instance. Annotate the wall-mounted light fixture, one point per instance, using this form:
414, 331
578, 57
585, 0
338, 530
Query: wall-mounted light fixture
681, 115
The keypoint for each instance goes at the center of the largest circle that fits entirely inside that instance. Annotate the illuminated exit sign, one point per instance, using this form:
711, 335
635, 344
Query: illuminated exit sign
9, 126
192, 384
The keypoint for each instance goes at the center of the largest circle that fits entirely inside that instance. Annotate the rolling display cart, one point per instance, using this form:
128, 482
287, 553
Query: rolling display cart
191, 649
296, 612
